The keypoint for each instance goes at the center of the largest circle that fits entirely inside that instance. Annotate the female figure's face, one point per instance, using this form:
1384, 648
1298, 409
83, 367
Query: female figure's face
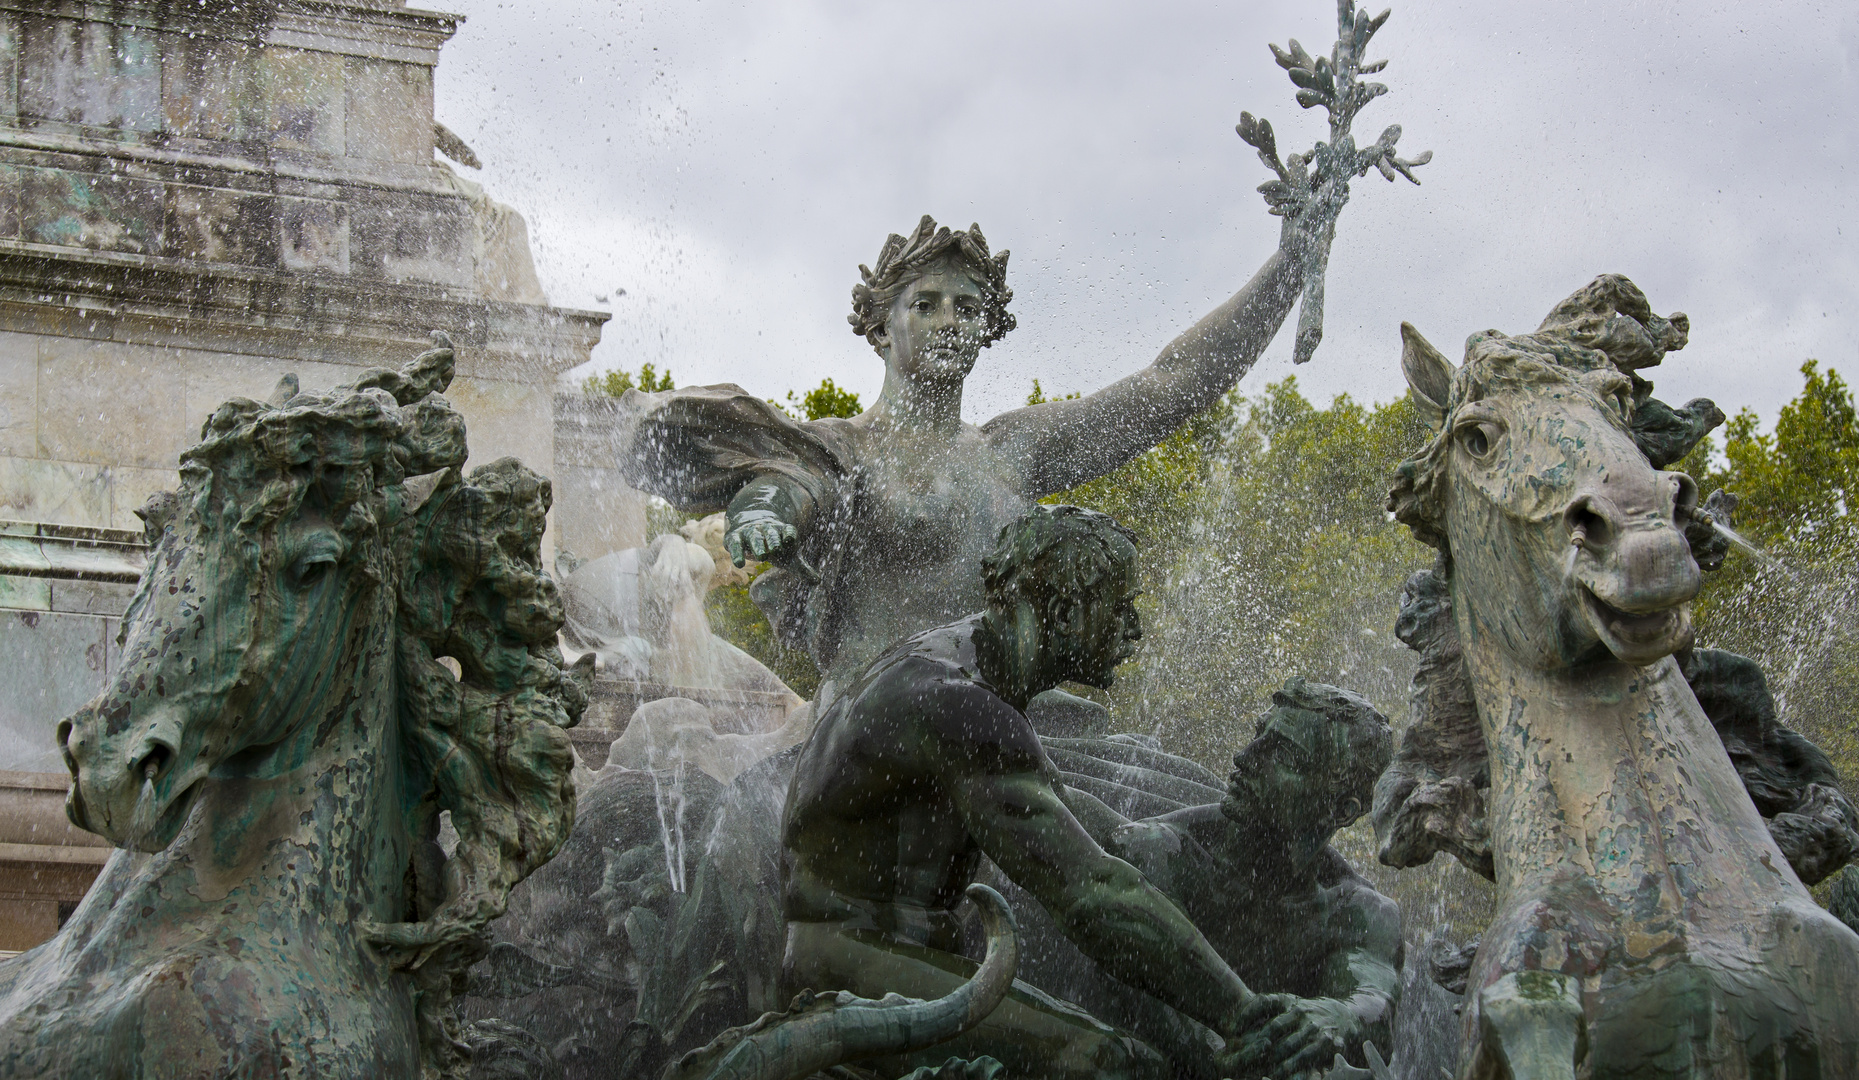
936, 326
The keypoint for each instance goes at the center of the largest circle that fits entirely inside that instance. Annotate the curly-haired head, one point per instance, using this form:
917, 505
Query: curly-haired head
902, 260
1346, 741
1056, 550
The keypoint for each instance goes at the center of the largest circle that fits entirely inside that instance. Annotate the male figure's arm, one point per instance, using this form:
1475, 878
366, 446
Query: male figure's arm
1061, 444
1361, 981
988, 760
1362, 971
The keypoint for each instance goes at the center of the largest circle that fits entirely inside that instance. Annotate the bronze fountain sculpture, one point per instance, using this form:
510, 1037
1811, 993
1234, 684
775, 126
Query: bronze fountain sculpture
875, 526
1649, 924
284, 734
342, 639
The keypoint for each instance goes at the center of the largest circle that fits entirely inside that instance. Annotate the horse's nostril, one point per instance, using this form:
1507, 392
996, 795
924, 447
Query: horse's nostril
155, 762
1588, 527
1684, 498
64, 746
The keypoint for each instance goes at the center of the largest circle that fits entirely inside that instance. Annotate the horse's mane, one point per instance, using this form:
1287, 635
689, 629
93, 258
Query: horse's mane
381, 458
1430, 799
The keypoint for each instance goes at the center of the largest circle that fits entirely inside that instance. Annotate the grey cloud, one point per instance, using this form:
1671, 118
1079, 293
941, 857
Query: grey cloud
732, 179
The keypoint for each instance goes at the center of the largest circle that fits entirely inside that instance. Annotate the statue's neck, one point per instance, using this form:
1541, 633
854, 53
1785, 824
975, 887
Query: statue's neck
1279, 862
1007, 660
908, 406
1587, 765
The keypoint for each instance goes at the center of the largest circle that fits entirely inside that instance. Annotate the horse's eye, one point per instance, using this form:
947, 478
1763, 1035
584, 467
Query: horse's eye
1479, 437
312, 569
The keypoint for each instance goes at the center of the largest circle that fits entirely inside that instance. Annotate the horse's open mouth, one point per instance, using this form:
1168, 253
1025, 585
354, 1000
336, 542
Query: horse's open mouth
1637, 639
153, 828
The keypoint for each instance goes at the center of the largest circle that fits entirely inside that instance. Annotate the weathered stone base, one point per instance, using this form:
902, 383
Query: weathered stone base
46, 863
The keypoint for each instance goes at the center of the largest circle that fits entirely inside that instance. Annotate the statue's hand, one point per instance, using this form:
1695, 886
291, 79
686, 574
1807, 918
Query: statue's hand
1283, 1036
758, 524
762, 539
1295, 236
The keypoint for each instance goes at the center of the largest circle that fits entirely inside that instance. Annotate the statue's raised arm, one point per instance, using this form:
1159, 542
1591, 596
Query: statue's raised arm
1065, 443
875, 525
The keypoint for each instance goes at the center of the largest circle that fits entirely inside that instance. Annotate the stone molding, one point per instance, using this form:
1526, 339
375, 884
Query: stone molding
70, 552
47, 864
212, 163
286, 136
381, 31
174, 303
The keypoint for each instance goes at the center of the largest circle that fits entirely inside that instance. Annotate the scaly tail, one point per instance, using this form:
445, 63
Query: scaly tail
820, 1031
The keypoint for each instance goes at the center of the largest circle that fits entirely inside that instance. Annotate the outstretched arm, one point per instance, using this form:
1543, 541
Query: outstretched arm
1361, 976
1009, 797
1066, 443
1061, 444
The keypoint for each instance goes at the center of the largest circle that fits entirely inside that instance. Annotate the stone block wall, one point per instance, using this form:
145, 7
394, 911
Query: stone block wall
195, 200
63, 591
91, 427
135, 128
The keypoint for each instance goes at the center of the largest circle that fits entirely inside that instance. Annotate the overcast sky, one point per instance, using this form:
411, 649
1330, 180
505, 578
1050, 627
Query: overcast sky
729, 164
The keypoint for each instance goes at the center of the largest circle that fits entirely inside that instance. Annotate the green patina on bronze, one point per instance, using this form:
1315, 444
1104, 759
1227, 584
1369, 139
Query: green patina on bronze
820, 1031
283, 736
1650, 925
926, 763
1257, 875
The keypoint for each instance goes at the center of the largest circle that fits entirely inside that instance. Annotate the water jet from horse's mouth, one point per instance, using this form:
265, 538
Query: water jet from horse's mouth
1750, 547
154, 822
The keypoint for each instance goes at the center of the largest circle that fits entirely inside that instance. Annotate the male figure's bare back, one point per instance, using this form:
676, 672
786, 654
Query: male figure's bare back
926, 762
879, 848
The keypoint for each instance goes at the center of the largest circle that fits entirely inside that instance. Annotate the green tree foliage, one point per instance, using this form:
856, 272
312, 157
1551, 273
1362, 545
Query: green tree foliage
824, 400
1267, 554
1789, 604
1039, 395
735, 618
616, 382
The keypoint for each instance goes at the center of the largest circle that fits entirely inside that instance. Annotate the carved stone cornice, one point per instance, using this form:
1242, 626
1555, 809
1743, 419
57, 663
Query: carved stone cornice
140, 299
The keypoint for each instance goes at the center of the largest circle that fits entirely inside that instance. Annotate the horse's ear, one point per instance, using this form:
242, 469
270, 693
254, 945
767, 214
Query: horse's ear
286, 389
156, 514
1428, 373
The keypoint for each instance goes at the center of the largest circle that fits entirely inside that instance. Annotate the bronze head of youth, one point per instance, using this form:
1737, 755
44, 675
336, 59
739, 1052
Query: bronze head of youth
1061, 587
934, 301
1313, 764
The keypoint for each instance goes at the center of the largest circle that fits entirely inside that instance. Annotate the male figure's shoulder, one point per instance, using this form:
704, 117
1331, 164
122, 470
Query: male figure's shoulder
931, 658
934, 680
1357, 913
